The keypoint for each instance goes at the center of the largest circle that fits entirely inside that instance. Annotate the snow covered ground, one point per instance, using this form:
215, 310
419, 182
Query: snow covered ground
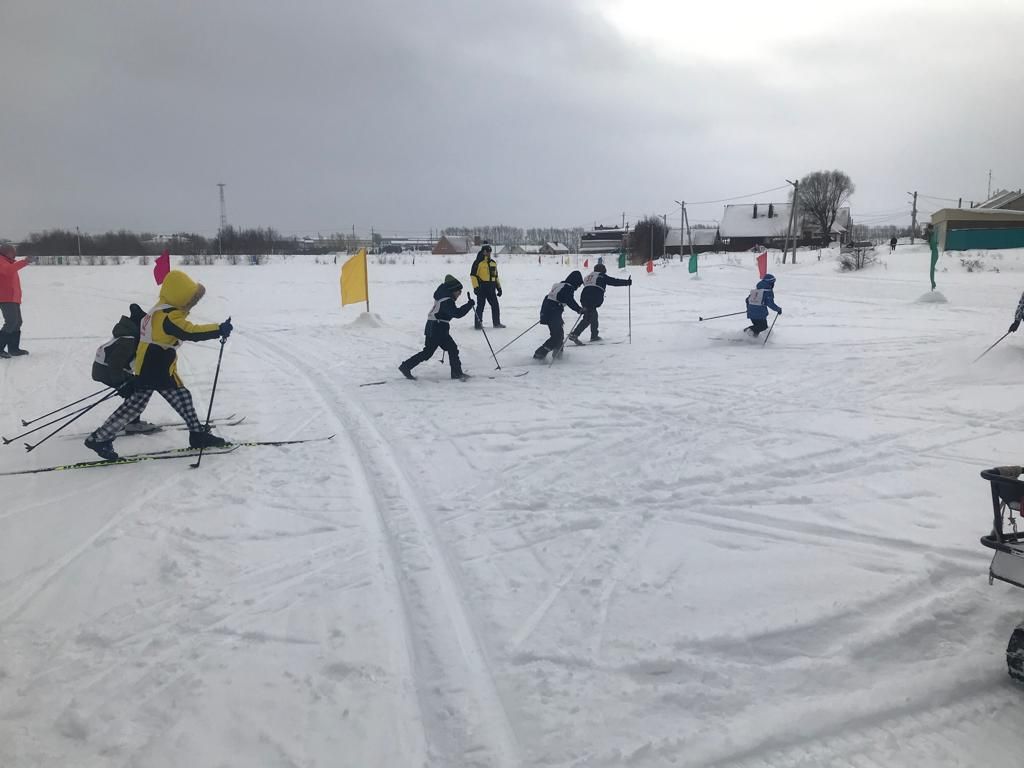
690, 550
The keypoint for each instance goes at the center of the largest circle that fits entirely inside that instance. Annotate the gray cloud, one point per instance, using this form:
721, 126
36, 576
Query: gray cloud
406, 116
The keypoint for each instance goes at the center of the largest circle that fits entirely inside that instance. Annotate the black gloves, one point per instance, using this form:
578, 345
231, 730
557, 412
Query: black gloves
128, 387
1014, 326
470, 301
779, 310
499, 290
476, 290
629, 280
226, 328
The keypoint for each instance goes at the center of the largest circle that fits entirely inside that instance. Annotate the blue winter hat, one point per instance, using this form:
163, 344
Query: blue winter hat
769, 277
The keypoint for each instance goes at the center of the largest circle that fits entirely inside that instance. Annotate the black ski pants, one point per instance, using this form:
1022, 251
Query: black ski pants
589, 321
487, 292
12, 317
556, 329
437, 335
761, 324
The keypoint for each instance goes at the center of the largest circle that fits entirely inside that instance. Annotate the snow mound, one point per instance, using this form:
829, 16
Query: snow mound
368, 320
933, 297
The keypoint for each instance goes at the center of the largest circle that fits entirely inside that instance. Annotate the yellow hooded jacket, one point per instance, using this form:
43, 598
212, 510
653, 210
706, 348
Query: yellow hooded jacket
165, 327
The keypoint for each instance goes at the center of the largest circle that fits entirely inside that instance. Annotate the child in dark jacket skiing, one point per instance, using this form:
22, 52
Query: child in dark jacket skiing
156, 364
560, 295
437, 332
113, 363
758, 303
592, 297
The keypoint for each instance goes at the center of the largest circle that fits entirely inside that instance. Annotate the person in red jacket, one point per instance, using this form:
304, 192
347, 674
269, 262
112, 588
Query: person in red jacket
10, 302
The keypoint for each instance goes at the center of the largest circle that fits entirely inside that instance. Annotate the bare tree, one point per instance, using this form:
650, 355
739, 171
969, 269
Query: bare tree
822, 194
647, 240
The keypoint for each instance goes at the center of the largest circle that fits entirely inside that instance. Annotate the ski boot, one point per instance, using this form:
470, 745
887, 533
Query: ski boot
14, 345
1015, 654
541, 353
595, 337
205, 439
500, 325
557, 354
140, 427
406, 371
576, 340
105, 448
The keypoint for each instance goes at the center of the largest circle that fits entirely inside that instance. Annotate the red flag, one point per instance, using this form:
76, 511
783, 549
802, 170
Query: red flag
162, 267
586, 262
762, 263
650, 266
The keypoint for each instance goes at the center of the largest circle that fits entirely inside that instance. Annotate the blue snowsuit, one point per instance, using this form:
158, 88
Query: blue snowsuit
759, 301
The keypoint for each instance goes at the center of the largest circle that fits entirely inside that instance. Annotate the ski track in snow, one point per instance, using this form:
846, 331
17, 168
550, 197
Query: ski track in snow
453, 673
675, 552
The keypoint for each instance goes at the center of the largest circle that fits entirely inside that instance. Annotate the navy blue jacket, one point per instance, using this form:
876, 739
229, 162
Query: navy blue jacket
760, 299
592, 294
444, 309
561, 294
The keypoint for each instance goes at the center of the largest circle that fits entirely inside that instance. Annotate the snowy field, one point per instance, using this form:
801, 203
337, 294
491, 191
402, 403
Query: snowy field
691, 550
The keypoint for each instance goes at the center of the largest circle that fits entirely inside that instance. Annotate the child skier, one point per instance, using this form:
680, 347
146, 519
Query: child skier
437, 332
156, 364
113, 363
551, 313
592, 297
758, 302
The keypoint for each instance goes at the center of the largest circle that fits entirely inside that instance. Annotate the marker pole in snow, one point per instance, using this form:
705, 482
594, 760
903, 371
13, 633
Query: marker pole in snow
770, 329
629, 305
517, 338
990, 348
715, 317
31, 447
213, 393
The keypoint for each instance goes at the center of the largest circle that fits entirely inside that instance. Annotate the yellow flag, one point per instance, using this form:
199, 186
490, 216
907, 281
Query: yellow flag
354, 286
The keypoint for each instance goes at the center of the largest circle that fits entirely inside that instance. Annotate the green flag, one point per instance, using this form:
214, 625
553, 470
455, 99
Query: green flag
933, 241
693, 263
622, 259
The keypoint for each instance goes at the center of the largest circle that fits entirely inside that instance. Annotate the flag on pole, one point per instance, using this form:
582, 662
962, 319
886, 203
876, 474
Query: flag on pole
622, 259
933, 242
650, 266
762, 264
162, 267
586, 262
693, 263
354, 282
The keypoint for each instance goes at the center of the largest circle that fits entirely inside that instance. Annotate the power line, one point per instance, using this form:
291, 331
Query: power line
739, 197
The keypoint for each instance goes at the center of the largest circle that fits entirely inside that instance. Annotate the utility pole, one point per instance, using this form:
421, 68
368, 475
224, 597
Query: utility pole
792, 223
990, 183
78, 238
623, 219
664, 243
913, 218
223, 220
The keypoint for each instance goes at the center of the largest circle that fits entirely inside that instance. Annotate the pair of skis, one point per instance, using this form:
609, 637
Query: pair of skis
172, 453
470, 377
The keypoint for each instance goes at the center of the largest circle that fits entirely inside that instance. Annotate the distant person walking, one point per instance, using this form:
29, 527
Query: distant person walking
10, 301
483, 276
892, 243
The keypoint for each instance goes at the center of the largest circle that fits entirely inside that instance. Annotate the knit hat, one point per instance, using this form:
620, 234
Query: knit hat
600, 268
452, 283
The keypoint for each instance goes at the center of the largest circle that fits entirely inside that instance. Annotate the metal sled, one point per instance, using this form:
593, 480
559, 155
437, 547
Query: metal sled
1008, 542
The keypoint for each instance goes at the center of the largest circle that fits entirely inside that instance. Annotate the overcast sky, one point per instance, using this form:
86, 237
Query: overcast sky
407, 115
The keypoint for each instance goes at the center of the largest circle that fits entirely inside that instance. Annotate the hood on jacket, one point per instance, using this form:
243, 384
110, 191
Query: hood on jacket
129, 324
575, 278
181, 291
766, 283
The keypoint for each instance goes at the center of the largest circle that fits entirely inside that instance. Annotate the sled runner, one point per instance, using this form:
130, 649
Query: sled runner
1007, 539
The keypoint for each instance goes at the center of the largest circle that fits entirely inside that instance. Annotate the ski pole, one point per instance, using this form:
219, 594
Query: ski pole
990, 348
490, 348
58, 410
561, 346
629, 304
9, 440
213, 393
715, 317
30, 447
517, 338
770, 329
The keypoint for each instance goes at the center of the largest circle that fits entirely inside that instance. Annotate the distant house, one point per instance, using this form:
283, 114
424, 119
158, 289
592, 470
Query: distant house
1004, 201
704, 240
960, 229
604, 240
554, 249
745, 226
450, 245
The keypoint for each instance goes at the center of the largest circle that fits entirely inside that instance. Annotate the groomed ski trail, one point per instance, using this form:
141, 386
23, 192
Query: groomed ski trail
467, 723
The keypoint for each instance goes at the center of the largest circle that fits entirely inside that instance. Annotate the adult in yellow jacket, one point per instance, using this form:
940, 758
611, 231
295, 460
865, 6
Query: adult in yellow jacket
156, 364
484, 277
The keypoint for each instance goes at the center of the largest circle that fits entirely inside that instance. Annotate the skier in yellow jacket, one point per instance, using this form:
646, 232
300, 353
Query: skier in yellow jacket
156, 364
484, 277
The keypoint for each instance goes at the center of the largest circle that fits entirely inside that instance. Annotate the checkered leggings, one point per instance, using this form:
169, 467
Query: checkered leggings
179, 399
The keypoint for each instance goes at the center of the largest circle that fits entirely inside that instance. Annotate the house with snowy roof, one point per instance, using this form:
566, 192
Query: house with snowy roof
753, 225
450, 245
703, 240
554, 248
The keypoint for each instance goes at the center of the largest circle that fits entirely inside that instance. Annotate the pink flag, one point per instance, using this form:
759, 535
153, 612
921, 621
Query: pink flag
650, 266
762, 263
162, 267
586, 262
